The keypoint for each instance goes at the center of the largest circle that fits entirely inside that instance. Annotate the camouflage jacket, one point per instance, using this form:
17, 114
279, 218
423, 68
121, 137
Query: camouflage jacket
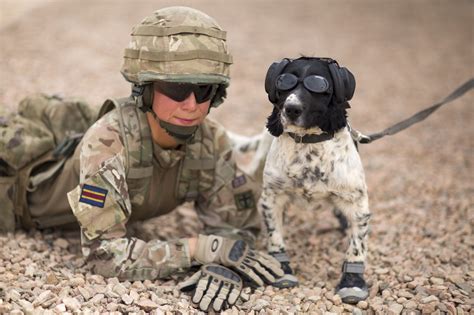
106, 199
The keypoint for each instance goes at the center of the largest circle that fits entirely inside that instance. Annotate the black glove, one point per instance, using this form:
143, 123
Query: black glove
214, 284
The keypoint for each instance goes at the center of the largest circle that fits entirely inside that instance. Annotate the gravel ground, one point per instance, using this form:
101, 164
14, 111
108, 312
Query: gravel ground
405, 55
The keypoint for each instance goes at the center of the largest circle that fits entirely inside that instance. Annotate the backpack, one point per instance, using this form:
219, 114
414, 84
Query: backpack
34, 144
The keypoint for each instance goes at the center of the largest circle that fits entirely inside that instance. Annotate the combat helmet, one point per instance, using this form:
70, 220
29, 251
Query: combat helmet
178, 44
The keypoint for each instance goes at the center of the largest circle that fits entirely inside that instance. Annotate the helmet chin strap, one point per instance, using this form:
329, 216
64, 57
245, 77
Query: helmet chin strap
182, 134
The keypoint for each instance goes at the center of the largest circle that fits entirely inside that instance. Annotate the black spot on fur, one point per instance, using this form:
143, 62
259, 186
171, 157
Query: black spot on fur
332, 120
274, 125
308, 157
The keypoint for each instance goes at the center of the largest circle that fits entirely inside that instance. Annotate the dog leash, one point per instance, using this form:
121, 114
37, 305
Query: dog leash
361, 138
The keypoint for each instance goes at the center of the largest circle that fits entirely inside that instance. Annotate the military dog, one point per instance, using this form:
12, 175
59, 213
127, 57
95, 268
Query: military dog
313, 157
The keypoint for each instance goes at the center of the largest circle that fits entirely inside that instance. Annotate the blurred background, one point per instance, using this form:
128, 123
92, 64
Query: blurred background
404, 54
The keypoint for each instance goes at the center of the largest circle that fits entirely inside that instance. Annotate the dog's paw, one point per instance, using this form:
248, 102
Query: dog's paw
288, 280
352, 288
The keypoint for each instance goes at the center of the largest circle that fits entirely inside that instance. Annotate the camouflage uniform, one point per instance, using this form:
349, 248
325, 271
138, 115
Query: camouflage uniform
103, 220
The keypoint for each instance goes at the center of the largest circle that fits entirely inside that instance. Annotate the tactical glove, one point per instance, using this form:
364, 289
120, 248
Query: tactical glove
254, 266
214, 284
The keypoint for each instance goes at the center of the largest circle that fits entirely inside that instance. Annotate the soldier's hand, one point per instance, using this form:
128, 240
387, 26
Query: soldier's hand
254, 266
213, 284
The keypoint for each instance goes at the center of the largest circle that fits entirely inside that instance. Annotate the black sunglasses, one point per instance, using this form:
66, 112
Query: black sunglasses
313, 83
180, 91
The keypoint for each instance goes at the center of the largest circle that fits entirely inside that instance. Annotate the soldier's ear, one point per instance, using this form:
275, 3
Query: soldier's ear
274, 125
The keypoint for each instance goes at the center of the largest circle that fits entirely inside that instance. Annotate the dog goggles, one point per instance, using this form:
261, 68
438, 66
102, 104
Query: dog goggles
313, 83
180, 91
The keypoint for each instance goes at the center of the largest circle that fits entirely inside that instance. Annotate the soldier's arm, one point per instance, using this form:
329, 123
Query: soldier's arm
102, 207
230, 208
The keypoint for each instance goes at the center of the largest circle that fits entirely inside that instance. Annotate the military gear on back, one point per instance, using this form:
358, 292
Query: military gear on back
34, 146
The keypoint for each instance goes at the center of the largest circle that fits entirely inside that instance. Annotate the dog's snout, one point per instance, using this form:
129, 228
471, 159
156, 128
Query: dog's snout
293, 111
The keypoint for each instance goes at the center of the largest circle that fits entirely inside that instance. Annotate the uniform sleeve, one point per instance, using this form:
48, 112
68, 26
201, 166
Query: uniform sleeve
101, 204
230, 208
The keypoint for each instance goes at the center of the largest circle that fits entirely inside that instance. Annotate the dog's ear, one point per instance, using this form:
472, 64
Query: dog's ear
274, 125
335, 117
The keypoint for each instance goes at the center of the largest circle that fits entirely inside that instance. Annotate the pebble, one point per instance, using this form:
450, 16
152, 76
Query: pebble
120, 289
429, 299
14, 295
260, 304
435, 280
362, 305
395, 308
74, 282
127, 299
410, 304
60, 308
381, 271
51, 278
147, 305
72, 303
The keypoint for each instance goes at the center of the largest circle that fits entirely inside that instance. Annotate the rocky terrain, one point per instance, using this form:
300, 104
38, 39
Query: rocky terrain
405, 55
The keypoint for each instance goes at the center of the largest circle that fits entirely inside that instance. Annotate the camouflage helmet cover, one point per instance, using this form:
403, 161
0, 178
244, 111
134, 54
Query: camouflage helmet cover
177, 44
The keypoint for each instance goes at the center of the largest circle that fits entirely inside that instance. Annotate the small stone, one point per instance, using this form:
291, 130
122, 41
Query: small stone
134, 294
362, 305
314, 298
26, 305
429, 299
395, 308
112, 307
127, 299
44, 298
405, 294
98, 279
147, 305
72, 303
357, 311
74, 282
85, 293
459, 311
386, 293
61, 243
60, 308
51, 279
381, 271
336, 299
120, 289
407, 278
13, 295
410, 304
296, 301
97, 298
435, 280
260, 304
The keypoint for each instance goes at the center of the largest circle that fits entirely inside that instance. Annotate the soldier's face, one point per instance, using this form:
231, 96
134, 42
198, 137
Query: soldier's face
184, 113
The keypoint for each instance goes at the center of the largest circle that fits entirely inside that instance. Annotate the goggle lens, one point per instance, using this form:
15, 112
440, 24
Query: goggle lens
181, 91
313, 83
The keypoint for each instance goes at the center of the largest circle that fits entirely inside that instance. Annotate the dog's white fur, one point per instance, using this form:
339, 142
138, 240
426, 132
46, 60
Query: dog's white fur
329, 170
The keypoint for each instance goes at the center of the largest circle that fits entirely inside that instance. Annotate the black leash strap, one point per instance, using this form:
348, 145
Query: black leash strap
361, 138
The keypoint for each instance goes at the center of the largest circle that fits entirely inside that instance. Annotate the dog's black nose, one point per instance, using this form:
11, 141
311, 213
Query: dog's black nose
293, 111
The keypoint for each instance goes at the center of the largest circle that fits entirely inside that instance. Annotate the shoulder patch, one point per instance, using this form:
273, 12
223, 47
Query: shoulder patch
93, 195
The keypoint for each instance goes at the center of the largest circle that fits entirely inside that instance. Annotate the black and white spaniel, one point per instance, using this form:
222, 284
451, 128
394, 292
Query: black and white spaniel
312, 157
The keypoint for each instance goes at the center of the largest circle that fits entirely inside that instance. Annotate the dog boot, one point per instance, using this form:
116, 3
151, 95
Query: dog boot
352, 287
288, 280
